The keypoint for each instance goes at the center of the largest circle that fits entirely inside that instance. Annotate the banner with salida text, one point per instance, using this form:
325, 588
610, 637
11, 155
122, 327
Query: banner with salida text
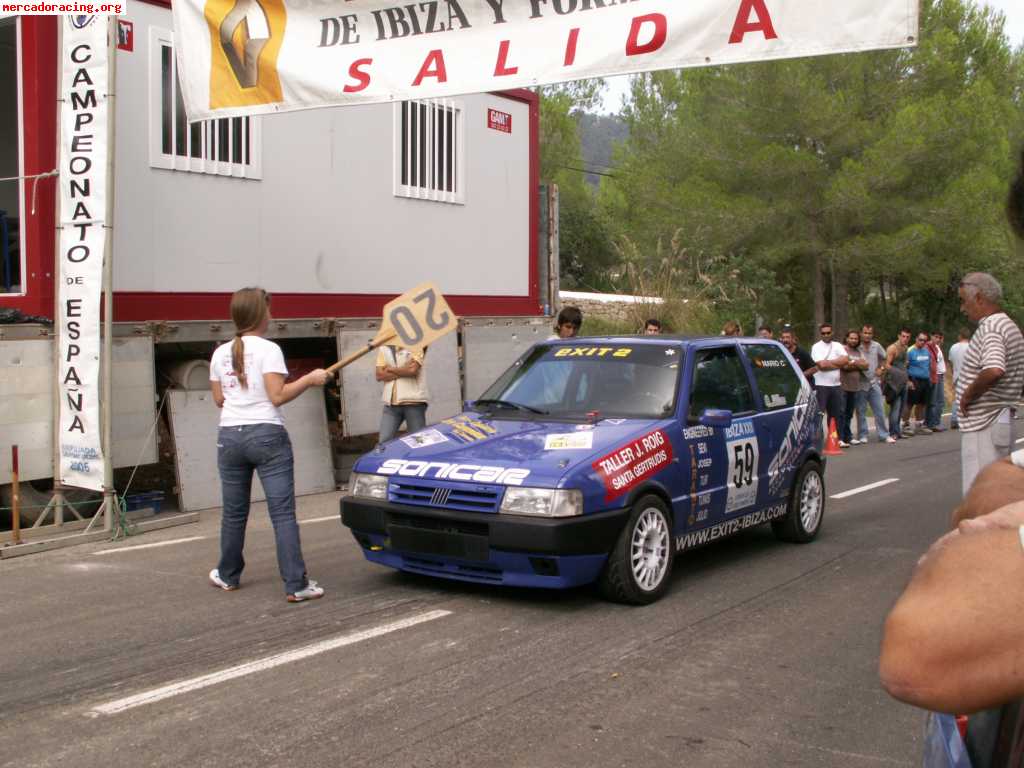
83, 208
241, 57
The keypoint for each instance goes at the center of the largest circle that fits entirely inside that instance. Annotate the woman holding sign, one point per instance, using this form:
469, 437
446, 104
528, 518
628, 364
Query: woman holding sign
247, 376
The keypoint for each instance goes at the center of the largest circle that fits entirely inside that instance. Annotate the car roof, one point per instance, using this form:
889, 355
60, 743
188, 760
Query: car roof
664, 340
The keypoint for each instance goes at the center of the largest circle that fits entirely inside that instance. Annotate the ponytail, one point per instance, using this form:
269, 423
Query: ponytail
249, 308
238, 360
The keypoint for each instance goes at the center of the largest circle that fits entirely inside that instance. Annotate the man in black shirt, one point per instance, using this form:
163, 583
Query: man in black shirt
788, 339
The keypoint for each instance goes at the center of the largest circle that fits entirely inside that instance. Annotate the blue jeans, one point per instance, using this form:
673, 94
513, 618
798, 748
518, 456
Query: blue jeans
954, 416
872, 397
266, 449
936, 403
895, 411
414, 415
853, 402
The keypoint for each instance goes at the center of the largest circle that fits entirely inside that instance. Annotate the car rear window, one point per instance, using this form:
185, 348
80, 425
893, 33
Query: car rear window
777, 380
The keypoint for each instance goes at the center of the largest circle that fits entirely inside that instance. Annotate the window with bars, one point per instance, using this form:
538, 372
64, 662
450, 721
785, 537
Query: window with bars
227, 146
429, 150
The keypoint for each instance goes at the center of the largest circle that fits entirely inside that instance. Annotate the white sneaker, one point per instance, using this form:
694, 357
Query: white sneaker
857, 442
890, 439
312, 591
217, 581
843, 444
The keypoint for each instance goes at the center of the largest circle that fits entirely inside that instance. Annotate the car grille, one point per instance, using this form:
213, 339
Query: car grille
461, 496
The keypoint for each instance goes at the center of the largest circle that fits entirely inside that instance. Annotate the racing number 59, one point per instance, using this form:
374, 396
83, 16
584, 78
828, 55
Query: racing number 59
742, 464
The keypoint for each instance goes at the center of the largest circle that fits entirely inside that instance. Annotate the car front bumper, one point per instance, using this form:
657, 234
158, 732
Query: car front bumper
486, 548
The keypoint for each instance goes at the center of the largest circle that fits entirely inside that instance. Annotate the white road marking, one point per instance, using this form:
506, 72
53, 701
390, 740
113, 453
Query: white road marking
148, 546
320, 519
259, 665
1019, 440
863, 488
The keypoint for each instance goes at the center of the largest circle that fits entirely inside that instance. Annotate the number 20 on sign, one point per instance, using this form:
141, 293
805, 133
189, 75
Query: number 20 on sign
417, 318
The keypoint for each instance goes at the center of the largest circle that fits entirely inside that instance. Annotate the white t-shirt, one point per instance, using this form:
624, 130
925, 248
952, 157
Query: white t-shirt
250, 405
956, 357
940, 362
831, 350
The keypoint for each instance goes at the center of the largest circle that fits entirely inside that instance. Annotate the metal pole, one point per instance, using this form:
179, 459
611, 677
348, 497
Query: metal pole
57, 502
108, 299
16, 498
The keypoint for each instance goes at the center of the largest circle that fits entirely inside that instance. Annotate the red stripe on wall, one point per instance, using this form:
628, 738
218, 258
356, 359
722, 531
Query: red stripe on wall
139, 307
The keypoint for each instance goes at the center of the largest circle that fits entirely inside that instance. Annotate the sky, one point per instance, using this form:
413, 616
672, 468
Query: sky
1012, 9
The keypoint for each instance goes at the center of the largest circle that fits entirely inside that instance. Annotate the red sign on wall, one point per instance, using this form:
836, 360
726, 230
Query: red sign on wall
625, 467
125, 35
499, 121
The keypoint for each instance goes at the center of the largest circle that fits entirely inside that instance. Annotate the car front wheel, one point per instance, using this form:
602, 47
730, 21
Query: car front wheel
640, 564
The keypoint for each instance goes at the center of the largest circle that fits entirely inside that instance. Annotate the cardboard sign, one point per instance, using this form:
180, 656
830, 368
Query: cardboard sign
416, 318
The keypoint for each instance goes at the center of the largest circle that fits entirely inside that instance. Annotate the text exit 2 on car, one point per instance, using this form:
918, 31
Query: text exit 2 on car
599, 460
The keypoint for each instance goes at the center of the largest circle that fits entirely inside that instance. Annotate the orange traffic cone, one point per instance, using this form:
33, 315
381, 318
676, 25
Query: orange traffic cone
832, 441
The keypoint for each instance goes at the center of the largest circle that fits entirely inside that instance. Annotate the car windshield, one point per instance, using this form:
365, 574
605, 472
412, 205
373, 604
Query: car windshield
574, 381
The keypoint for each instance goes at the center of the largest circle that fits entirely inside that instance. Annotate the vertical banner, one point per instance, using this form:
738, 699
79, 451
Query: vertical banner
83, 205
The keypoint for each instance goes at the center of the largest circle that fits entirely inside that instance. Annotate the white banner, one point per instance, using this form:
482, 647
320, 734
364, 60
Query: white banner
240, 57
83, 204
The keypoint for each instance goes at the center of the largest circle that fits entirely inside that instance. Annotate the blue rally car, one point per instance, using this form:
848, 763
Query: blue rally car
599, 459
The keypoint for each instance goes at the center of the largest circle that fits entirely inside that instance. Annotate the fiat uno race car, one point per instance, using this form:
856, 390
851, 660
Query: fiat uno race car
599, 459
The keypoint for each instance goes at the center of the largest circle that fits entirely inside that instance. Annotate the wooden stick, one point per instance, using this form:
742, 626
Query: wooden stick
352, 357
16, 500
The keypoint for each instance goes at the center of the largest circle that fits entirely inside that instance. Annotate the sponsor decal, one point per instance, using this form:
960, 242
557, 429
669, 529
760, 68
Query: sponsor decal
729, 527
801, 424
469, 430
614, 422
610, 352
443, 470
424, 437
698, 432
760, 362
627, 466
774, 401
499, 121
245, 38
125, 35
583, 427
568, 441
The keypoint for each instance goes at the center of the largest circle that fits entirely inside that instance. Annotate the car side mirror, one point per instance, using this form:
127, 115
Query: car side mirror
716, 417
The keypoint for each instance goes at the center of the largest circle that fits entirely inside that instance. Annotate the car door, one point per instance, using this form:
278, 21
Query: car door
783, 395
723, 462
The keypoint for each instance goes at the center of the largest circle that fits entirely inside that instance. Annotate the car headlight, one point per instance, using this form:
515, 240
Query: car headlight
368, 486
542, 502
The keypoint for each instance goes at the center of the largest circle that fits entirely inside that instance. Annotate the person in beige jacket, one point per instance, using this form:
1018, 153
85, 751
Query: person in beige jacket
405, 393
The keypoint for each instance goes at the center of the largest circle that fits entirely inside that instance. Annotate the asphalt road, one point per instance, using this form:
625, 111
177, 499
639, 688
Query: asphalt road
762, 654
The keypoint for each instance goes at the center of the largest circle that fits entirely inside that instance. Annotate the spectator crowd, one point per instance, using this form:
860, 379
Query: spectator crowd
903, 384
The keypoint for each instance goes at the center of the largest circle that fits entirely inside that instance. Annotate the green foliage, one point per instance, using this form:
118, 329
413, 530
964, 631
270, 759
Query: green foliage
584, 245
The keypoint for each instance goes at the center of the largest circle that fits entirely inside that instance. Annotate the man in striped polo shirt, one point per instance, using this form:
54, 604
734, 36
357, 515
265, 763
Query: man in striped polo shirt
992, 376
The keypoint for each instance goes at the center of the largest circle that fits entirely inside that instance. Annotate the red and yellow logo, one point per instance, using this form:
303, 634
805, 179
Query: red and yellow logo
245, 37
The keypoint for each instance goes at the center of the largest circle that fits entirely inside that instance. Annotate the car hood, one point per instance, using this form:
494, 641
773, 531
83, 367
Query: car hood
551, 451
